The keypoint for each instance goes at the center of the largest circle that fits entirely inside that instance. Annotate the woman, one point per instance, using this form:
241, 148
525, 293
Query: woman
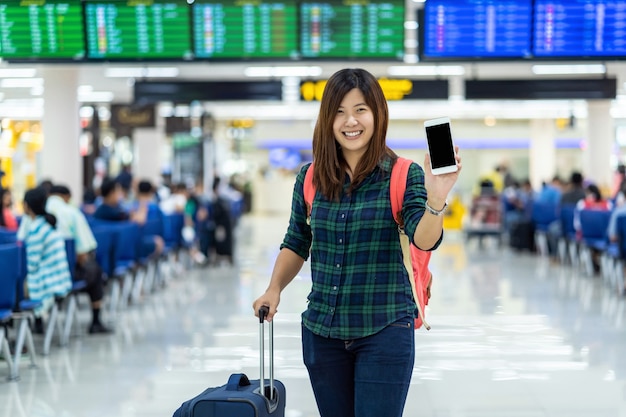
48, 270
593, 201
357, 331
7, 218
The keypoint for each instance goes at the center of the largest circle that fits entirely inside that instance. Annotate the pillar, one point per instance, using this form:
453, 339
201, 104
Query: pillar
542, 153
60, 159
600, 139
148, 152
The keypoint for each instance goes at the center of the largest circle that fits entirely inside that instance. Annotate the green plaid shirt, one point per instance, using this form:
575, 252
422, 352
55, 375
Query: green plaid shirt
360, 284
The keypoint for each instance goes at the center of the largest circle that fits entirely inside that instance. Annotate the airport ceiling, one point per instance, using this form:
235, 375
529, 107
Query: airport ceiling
116, 80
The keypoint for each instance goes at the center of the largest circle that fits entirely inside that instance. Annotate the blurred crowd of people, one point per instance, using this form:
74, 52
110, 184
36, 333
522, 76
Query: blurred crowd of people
48, 218
513, 200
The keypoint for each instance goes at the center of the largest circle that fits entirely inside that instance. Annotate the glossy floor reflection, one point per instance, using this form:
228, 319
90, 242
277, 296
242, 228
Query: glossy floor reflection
512, 335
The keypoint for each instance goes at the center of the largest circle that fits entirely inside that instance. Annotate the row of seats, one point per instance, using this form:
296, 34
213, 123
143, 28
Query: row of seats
127, 271
579, 249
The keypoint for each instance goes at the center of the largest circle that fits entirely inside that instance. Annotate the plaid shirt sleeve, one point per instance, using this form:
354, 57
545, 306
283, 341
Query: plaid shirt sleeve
298, 237
415, 203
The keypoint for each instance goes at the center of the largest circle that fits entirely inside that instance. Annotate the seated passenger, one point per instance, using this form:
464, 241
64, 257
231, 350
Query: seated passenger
111, 210
87, 268
593, 201
8, 220
146, 208
48, 273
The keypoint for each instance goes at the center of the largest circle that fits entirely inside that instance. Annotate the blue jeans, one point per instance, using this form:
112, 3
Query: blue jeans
366, 377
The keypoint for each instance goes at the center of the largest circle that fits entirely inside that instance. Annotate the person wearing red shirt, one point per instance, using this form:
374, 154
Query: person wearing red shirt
7, 217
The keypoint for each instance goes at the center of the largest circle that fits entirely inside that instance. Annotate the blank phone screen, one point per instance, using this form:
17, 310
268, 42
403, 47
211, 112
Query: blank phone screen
440, 145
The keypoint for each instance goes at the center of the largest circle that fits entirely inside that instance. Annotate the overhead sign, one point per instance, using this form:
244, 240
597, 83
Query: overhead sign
123, 115
393, 89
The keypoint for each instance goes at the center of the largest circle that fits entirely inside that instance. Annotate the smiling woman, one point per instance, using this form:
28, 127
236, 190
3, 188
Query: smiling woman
357, 330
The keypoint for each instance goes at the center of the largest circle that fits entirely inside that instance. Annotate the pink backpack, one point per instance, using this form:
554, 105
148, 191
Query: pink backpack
415, 260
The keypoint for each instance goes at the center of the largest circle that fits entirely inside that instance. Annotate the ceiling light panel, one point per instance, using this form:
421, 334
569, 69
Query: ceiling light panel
568, 69
21, 82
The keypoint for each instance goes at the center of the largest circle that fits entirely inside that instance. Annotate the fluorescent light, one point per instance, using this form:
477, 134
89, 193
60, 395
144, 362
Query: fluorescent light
37, 90
21, 82
84, 89
96, 97
142, 72
312, 71
425, 70
569, 69
17, 72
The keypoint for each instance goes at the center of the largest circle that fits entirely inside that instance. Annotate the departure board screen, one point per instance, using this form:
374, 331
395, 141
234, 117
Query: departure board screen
138, 29
41, 29
352, 29
476, 29
579, 28
245, 29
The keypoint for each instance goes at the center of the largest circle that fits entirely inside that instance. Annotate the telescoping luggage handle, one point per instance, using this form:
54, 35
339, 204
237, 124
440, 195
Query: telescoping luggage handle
263, 312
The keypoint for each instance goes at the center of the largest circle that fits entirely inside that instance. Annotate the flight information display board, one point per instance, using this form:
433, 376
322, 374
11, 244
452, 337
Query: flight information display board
476, 29
41, 29
138, 29
245, 28
580, 28
352, 29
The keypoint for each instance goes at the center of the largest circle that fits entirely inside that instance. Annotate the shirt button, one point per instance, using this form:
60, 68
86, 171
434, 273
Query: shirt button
335, 288
340, 240
332, 310
343, 215
338, 265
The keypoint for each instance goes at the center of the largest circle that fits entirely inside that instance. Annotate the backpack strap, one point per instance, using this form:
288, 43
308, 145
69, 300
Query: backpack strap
397, 187
309, 190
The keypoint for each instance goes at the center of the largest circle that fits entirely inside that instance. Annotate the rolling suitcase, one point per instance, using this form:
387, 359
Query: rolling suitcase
241, 397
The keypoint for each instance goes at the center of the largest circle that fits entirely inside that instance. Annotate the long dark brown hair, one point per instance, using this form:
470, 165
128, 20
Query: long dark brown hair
36, 199
330, 164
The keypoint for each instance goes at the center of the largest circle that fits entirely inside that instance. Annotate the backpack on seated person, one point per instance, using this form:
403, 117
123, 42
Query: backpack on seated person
415, 259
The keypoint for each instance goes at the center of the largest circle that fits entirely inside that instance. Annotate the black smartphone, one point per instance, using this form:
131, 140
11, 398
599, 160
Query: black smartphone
440, 146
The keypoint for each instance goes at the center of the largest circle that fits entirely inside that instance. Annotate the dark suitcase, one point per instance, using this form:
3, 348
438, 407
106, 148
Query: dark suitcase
522, 235
241, 397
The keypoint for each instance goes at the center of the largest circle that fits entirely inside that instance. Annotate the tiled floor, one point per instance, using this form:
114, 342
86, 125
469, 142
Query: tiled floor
512, 336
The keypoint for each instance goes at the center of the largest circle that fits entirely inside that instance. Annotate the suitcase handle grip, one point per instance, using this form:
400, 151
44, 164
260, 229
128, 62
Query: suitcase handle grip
237, 380
264, 311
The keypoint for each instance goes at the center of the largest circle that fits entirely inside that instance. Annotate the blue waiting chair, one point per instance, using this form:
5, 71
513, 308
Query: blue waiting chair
7, 236
542, 215
12, 265
105, 256
105, 238
567, 244
172, 230
70, 301
593, 228
124, 259
65, 305
8, 286
148, 274
618, 254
